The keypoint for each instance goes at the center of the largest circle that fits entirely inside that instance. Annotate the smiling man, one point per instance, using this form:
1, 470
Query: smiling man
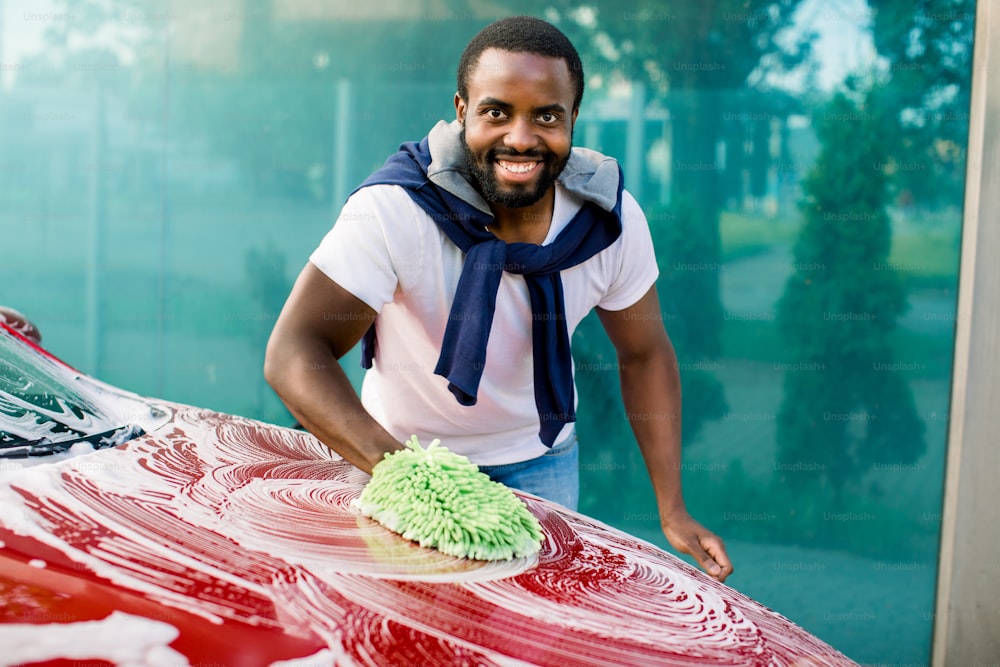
463, 266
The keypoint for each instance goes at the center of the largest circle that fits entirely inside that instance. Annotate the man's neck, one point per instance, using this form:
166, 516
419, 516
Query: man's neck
527, 224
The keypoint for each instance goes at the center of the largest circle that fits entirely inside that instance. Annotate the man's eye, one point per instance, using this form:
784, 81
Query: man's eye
494, 114
548, 118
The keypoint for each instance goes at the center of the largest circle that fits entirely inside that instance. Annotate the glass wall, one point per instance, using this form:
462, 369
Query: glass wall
166, 169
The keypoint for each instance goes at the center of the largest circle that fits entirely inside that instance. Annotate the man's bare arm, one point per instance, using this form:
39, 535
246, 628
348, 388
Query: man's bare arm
321, 322
651, 392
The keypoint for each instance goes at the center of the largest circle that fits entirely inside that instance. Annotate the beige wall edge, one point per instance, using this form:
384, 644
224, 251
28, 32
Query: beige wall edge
967, 613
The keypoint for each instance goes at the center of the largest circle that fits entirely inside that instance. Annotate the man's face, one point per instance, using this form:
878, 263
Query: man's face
517, 125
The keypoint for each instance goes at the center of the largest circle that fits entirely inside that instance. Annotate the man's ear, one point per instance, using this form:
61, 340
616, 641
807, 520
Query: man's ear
460, 108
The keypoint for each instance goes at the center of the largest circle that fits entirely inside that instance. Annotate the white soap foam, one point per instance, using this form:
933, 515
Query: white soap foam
123, 639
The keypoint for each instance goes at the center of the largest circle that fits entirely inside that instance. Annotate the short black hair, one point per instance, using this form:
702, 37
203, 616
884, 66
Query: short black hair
522, 34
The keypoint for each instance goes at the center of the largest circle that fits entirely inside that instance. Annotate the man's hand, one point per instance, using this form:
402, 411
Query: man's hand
690, 537
651, 391
20, 324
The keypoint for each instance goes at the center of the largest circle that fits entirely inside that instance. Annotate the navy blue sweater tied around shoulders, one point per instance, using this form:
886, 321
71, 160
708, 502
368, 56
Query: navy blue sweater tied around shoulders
433, 173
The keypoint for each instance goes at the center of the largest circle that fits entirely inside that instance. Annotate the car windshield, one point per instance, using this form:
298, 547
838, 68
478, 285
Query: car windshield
46, 407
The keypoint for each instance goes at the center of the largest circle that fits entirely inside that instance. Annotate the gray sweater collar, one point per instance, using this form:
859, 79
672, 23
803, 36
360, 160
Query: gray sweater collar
588, 174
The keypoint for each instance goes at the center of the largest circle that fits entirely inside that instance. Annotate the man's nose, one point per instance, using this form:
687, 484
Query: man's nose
521, 135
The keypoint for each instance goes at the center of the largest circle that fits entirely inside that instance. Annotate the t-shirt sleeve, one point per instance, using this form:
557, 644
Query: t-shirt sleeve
634, 262
356, 253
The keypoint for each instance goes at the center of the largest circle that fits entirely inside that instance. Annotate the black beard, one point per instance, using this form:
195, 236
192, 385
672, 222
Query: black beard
485, 182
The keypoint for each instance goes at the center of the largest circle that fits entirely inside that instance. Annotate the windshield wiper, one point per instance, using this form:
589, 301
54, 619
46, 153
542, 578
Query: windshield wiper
22, 449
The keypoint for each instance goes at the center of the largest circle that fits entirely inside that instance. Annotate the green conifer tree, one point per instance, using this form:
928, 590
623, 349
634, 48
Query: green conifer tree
847, 407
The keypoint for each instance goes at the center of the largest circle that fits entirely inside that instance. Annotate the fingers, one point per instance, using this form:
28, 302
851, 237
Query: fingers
707, 550
20, 323
705, 559
716, 555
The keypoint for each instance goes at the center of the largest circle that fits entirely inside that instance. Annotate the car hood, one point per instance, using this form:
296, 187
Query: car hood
214, 538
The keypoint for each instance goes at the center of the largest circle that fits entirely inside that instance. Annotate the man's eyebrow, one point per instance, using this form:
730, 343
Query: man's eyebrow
550, 108
494, 102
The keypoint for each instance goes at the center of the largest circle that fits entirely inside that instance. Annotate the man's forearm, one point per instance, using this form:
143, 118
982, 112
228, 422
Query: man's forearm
651, 390
309, 380
651, 393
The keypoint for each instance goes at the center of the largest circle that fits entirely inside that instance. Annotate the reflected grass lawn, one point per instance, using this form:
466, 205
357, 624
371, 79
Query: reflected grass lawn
763, 341
926, 258
744, 235
926, 254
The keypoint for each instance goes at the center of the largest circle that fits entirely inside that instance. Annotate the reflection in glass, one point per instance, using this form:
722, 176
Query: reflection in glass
166, 171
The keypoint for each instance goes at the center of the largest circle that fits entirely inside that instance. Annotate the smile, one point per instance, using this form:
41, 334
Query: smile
518, 167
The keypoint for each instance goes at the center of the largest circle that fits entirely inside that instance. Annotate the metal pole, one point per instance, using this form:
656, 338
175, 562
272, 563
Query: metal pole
341, 144
98, 221
634, 146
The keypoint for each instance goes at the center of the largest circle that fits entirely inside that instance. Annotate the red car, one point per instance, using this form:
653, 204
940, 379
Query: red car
143, 532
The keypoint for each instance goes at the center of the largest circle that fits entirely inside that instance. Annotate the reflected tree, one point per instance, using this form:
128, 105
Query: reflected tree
927, 45
847, 406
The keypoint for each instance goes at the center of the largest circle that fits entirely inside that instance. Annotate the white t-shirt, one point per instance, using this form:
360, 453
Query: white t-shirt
389, 253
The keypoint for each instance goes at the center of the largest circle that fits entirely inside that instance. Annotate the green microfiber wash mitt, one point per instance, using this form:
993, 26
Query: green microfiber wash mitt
441, 500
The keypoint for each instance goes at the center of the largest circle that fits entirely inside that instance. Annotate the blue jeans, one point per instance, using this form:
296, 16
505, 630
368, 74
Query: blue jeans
555, 475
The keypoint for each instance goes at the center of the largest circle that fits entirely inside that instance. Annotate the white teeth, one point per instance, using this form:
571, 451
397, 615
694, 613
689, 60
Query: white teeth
518, 167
